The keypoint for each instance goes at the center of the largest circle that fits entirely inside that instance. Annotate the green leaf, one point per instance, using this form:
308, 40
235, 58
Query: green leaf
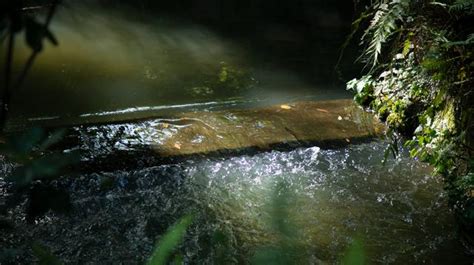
50, 36
178, 260
16, 19
170, 241
406, 47
44, 255
8, 255
46, 166
355, 254
23, 144
52, 139
34, 34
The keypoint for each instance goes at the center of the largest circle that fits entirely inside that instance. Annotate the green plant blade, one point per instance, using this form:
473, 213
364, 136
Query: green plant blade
169, 241
44, 255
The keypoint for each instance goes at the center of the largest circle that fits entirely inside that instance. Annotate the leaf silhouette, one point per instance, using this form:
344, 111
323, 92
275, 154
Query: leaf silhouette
169, 241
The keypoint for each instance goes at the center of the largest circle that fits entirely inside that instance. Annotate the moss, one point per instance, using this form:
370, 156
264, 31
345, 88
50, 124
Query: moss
423, 90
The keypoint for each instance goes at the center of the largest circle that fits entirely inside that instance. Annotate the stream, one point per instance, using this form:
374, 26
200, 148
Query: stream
326, 199
120, 72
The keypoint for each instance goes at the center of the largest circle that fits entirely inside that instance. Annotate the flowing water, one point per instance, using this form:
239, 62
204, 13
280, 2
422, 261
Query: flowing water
309, 204
306, 205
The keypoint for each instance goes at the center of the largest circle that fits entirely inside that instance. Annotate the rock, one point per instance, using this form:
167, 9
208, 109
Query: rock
298, 123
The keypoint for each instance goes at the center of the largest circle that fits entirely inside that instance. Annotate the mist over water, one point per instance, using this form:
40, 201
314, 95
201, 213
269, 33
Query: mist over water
111, 60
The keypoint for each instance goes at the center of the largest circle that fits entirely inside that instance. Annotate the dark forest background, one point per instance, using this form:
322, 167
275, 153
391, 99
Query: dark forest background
303, 35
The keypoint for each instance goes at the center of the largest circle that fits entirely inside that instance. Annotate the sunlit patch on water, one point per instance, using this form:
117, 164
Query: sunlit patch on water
318, 200
338, 195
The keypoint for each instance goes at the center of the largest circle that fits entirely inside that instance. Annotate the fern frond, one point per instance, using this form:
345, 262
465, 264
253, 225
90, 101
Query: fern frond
383, 25
468, 41
463, 6
470, 38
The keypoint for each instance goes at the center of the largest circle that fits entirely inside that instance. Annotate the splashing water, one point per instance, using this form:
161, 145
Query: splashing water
396, 211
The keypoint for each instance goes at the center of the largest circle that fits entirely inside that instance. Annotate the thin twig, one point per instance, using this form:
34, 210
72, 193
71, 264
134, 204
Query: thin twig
26, 69
5, 100
26, 8
463, 81
33, 56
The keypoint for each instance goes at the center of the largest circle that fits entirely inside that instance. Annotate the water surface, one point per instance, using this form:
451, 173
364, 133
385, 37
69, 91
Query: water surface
317, 201
123, 64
